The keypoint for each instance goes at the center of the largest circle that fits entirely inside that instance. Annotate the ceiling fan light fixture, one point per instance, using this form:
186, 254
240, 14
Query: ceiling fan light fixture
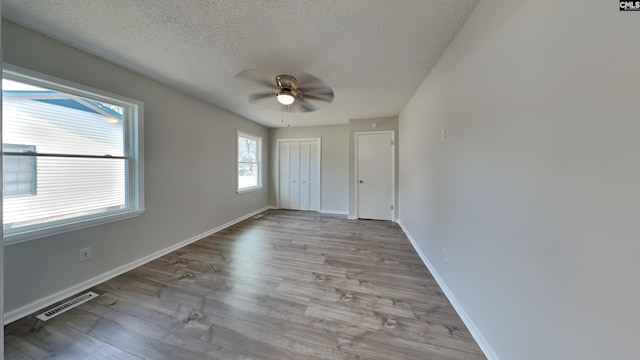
285, 97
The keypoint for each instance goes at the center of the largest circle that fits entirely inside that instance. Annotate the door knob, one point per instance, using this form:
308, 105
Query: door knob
361, 181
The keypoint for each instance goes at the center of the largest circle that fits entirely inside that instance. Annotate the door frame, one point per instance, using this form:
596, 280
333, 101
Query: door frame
393, 171
277, 162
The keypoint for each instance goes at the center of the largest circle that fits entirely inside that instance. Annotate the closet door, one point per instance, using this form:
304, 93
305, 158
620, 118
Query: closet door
294, 176
299, 174
304, 175
284, 160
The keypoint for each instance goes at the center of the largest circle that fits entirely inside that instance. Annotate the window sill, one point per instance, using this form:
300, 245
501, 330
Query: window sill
56, 229
247, 190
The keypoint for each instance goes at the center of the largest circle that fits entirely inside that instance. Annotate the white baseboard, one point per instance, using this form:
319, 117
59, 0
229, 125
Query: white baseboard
350, 217
473, 329
42, 303
336, 212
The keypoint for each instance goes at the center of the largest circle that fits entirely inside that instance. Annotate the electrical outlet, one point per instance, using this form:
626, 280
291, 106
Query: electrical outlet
84, 254
445, 258
443, 136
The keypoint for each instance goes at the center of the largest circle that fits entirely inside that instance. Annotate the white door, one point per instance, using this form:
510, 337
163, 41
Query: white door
284, 151
294, 176
304, 176
299, 174
375, 175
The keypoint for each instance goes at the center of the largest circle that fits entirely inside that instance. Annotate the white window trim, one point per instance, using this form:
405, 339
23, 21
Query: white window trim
259, 150
135, 139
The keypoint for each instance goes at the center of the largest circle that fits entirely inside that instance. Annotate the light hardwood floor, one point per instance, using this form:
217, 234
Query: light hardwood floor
290, 285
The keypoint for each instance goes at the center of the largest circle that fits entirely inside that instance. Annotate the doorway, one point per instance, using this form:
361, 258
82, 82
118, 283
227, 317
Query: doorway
299, 174
375, 175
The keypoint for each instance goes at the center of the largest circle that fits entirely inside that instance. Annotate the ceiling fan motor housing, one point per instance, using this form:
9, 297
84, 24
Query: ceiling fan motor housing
288, 85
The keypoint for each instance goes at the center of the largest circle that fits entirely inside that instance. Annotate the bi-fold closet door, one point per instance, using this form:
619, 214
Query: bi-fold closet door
299, 174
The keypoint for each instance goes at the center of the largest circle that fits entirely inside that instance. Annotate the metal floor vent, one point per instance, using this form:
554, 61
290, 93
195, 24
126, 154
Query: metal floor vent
256, 217
66, 306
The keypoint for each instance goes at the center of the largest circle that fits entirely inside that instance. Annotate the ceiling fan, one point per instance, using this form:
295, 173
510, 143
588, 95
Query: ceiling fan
295, 92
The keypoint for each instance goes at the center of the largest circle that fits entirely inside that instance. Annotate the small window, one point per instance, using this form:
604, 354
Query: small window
19, 169
249, 162
87, 146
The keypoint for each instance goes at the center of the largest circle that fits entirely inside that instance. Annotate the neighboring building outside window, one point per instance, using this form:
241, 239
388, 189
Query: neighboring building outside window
249, 162
87, 145
19, 171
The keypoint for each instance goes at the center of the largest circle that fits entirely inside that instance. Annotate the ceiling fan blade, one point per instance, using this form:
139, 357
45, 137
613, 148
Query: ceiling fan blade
256, 77
306, 80
302, 106
254, 98
319, 97
317, 90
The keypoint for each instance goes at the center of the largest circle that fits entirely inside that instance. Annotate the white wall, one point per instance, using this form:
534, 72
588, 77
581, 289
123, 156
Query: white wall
334, 162
190, 174
535, 193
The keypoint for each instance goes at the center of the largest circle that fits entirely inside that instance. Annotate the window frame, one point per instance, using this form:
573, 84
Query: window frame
259, 161
133, 144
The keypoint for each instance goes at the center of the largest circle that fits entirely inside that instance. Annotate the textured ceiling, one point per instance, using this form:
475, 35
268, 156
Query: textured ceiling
373, 53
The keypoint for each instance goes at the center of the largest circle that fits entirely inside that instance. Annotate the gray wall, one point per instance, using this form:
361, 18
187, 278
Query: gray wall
190, 169
334, 162
364, 125
535, 193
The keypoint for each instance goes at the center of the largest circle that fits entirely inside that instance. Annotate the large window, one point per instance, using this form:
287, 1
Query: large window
249, 162
87, 147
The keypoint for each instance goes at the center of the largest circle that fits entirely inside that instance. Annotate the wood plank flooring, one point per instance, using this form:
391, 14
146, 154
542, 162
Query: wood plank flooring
290, 285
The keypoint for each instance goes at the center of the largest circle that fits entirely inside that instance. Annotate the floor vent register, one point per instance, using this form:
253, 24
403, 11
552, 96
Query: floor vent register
66, 306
